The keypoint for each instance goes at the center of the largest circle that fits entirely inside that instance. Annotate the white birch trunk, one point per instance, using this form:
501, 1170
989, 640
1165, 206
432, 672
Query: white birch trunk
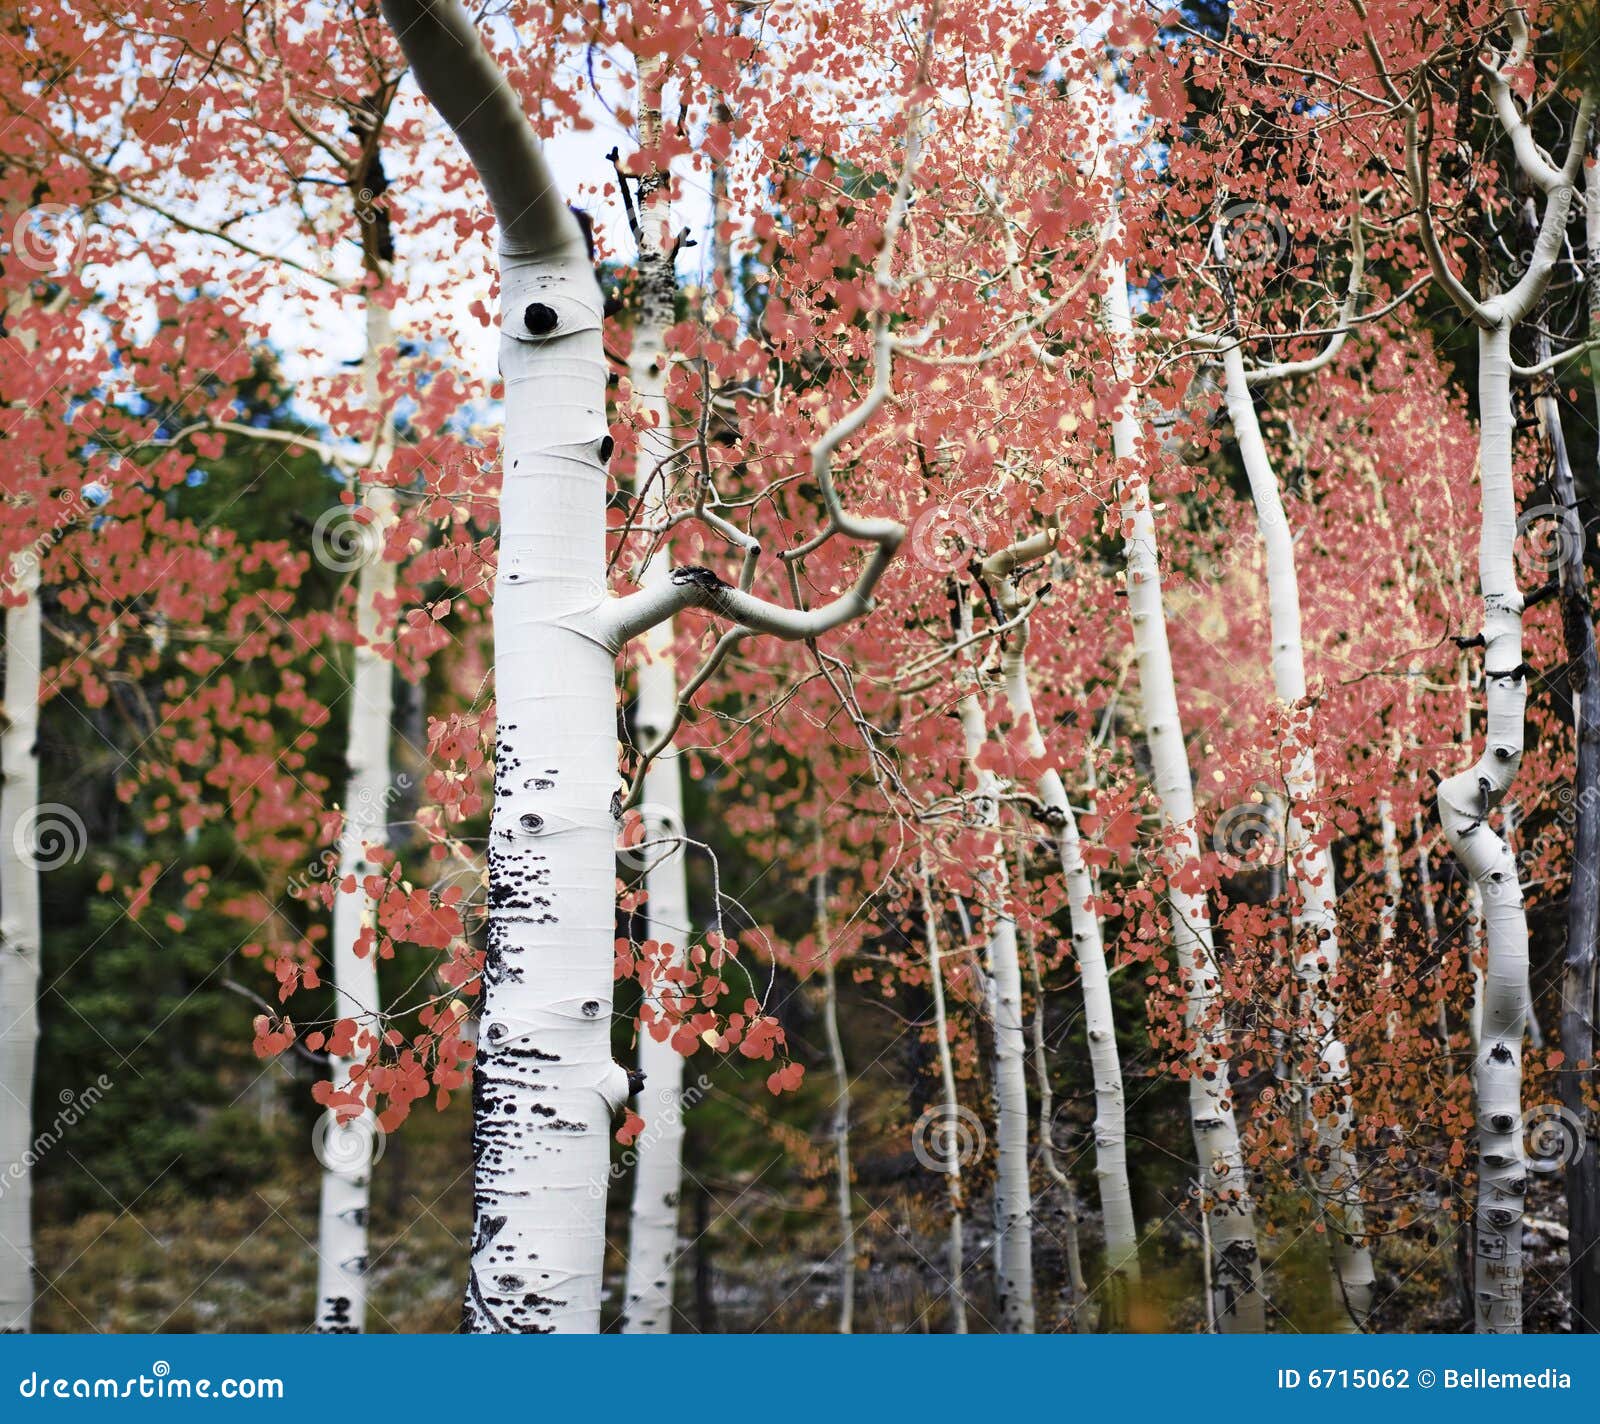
1315, 925
951, 1105
19, 943
1013, 1197
1394, 891
1465, 801
346, 1150
840, 1126
1467, 798
1081, 1312
1110, 1123
658, 1170
1235, 1268
544, 1084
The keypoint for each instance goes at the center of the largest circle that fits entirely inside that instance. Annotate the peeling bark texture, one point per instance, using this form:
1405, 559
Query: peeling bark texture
347, 1148
658, 1151
19, 942
1465, 801
544, 1085
1013, 1197
1334, 1171
1235, 1267
1088, 943
950, 1104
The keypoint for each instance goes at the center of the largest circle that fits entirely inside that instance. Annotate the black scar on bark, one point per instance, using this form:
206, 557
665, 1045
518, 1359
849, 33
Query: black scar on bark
337, 1319
699, 577
540, 319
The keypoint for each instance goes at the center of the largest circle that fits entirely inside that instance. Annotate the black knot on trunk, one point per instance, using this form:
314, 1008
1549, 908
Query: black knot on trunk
699, 577
540, 319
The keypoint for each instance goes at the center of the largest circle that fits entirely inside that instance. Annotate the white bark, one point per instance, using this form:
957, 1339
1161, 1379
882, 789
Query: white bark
346, 1150
19, 943
1315, 923
1081, 1312
840, 1126
544, 1085
951, 1106
1088, 943
1235, 1259
1013, 1197
658, 1170
1394, 891
1465, 801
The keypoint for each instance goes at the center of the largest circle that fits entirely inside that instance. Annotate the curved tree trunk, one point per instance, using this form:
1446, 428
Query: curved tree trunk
1465, 802
544, 1084
1235, 1264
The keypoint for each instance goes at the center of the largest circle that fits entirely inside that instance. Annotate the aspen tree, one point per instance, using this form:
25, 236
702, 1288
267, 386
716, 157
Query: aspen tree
545, 1085
1467, 798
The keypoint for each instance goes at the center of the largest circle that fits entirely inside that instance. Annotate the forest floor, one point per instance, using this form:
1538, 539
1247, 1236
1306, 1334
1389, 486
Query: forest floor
761, 1246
